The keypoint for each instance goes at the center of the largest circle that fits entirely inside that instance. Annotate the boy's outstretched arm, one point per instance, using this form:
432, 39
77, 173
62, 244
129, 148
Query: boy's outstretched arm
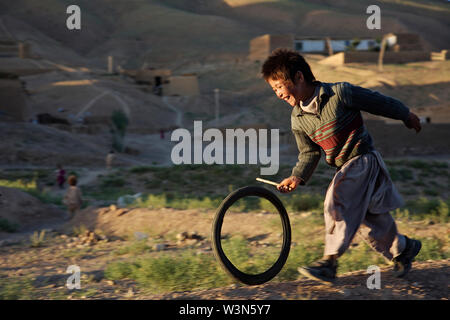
374, 102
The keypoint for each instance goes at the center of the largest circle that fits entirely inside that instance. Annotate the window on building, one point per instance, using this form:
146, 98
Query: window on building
299, 46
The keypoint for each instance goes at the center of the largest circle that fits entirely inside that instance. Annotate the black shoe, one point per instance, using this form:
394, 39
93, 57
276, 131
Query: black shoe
403, 262
322, 270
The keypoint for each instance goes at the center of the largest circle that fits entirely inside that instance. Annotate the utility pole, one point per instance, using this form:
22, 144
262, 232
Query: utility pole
110, 65
216, 97
382, 51
328, 46
24, 50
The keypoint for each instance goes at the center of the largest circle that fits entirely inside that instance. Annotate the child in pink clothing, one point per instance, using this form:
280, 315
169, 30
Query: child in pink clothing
61, 176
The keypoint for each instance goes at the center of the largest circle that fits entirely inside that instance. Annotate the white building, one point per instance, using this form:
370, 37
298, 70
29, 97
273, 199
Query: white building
318, 45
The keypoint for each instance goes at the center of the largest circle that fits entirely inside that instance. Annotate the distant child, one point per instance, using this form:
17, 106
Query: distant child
72, 198
61, 176
109, 159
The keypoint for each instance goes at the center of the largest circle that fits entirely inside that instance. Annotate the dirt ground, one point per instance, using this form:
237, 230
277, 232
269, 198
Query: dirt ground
45, 265
428, 280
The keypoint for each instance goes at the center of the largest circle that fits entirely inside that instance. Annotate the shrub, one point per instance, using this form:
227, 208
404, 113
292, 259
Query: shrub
141, 169
431, 192
120, 123
304, 202
111, 182
418, 164
441, 212
432, 249
37, 239
8, 226
400, 174
79, 230
119, 270
422, 205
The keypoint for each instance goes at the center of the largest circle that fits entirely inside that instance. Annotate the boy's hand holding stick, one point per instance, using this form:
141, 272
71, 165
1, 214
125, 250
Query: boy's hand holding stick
287, 185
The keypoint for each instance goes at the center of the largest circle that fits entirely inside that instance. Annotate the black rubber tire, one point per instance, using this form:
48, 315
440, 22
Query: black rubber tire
250, 279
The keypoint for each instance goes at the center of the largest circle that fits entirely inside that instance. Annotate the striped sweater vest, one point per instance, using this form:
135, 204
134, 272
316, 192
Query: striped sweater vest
338, 128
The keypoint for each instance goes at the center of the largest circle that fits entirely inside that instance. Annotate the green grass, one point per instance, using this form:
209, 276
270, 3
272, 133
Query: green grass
119, 270
188, 270
400, 174
112, 181
76, 252
33, 189
176, 201
359, 258
292, 202
203, 182
422, 208
46, 197
19, 184
16, 288
138, 247
175, 271
107, 193
432, 249
247, 259
141, 169
170, 272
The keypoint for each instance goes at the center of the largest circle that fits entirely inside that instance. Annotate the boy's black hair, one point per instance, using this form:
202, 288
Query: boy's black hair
283, 64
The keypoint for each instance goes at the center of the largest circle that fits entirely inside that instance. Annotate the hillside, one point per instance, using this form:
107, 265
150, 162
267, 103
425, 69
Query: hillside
173, 32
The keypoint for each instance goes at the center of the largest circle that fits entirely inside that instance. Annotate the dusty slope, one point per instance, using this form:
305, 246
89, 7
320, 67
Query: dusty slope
171, 31
34, 144
25, 210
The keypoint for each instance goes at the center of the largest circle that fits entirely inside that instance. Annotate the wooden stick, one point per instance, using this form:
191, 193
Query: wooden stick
267, 181
274, 184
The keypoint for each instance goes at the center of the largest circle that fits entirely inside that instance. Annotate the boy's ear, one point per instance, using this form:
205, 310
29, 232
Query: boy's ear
299, 77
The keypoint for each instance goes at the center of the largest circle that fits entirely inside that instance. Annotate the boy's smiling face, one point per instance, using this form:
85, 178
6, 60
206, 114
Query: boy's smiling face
288, 91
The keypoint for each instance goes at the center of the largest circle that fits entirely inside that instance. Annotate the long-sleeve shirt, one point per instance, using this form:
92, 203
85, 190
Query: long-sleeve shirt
338, 127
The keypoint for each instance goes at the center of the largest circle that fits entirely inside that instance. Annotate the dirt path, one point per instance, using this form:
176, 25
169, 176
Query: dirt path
427, 280
179, 113
90, 176
5, 30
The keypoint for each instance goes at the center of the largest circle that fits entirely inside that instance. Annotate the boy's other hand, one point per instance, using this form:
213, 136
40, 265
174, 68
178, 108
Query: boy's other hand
288, 184
413, 122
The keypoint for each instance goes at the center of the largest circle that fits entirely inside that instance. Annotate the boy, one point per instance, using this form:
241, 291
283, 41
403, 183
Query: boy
327, 116
72, 198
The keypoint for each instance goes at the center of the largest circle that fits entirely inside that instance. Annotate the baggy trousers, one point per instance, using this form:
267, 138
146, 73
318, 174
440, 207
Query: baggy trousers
362, 193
